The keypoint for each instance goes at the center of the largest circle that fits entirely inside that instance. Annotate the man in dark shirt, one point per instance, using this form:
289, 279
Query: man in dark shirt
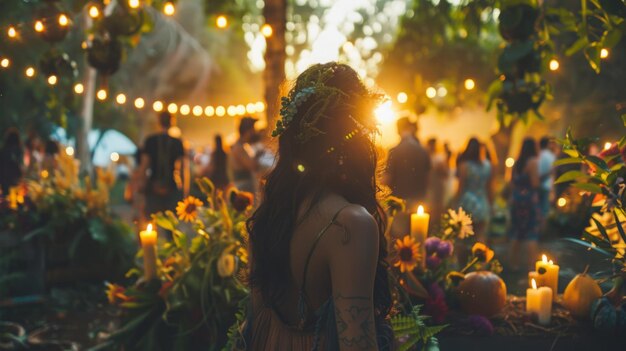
161, 165
408, 166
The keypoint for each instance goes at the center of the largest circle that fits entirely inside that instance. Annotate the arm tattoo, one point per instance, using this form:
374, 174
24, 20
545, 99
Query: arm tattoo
354, 321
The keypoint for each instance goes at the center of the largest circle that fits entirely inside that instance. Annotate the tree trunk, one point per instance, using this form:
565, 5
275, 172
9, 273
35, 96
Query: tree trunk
502, 143
275, 12
83, 154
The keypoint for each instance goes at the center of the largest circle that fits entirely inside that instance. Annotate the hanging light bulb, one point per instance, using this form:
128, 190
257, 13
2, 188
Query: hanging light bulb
5, 62
220, 111
52, 80
94, 12
184, 110
12, 32
172, 108
101, 94
133, 4
121, 99
197, 111
604, 53
157, 106
267, 30
221, 22
30, 72
209, 111
79, 88
553, 65
39, 27
63, 20
139, 103
169, 9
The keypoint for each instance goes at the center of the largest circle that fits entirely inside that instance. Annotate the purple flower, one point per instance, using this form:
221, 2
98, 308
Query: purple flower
432, 262
480, 324
431, 245
445, 249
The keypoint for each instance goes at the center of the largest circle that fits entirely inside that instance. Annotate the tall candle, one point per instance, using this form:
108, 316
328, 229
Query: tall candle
537, 277
419, 231
148, 244
549, 274
539, 302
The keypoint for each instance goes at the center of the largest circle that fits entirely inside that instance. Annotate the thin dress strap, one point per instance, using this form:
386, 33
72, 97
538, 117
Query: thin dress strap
302, 303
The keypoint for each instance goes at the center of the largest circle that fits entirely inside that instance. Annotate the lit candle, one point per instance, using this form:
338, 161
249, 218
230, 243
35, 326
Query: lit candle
419, 231
148, 244
550, 274
537, 277
539, 301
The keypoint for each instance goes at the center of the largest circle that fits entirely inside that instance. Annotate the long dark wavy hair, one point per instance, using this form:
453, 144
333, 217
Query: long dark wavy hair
528, 151
341, 159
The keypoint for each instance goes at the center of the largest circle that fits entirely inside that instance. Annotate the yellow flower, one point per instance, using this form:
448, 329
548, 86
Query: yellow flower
116, 293
242, 253
482, 252
407, 254
187, 210
226, 265
461, 221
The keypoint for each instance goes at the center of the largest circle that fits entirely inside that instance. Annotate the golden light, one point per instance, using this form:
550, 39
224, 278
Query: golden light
121, 99
420, 210
209, 111
442, 91
44, 174
12, 32
260, 106
300, 168
544, 258
139, 103
133, 4
172, 108
63, 20
69, 151
169, 9
157, 106
431, 92
220, 111
79, 88
561, 202
241, 110
267, 30
39, 27
231, 110
384, 112
149, 227
534, 284
30, 72
5, 62
402, 97
554, 65
250, 108
115, 156
184, 110
607, 145
197, 111
94, 12
469, 84
221, 22
604, 53
52, 80
509, 162
102, 94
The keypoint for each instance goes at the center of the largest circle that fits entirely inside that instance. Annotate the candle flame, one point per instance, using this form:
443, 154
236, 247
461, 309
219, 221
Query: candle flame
550, 262
544, 258
420, 210
534, 284
149, 227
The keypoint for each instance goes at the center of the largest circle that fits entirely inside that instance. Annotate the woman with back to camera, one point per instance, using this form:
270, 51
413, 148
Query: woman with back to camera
318, 272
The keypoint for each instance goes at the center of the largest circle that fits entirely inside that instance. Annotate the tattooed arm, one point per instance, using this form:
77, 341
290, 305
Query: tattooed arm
353, 258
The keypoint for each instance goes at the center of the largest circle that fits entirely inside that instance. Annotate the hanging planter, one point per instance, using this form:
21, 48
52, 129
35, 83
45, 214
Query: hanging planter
123, 21
517, 23
56, 23
104, 53
55, 63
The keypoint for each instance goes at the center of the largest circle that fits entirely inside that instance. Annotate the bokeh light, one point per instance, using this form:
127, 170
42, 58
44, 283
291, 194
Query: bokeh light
554, 65
510, 162
384, 113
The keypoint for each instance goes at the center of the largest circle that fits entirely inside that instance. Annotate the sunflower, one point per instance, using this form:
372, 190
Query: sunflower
407, 254
116, 293
187, 210
482, 252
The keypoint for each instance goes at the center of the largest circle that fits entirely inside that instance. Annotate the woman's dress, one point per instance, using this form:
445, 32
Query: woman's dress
474, 199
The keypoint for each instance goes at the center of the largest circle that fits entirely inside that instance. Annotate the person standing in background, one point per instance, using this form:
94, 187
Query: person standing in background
525, 211
244, 163
438, 180
216, 170
546, 161
11, 160
162, 162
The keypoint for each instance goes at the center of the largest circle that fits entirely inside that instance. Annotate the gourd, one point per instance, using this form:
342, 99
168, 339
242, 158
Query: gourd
580, 293
482, 293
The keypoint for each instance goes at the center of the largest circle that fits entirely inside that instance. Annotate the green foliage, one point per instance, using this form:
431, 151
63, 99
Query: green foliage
414, 329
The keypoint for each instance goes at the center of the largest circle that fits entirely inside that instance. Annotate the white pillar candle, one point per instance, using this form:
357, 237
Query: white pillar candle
419, 231
539, 302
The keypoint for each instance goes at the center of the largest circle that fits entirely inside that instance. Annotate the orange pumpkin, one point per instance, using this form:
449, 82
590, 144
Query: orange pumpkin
482, 293
579, 295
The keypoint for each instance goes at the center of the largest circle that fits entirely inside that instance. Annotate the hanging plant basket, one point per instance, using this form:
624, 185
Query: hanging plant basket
123, 21
54, 31
517, 23
104, 54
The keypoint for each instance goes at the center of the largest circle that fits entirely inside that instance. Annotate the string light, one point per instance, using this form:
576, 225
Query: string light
121, 99
101, 94
52, 80
469, 84
220, 111
431, 92
30, 72
157, 106
94, 12
63, 20
402, 97
172, 108
169, 9
260, 106
39, 27
607, 145
184, 110
197, 111
139, 103
115, 156
267, 30
79, 88
133, 4
69, 151
12, 33
231, 110
241, 110
442, 91
209, 111
221, 22
604, 53
561, 202
554, 65
250, 108
5, 62
509, 162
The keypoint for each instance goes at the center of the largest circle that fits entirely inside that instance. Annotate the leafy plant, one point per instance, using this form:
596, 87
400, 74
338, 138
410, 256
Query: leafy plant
413, 331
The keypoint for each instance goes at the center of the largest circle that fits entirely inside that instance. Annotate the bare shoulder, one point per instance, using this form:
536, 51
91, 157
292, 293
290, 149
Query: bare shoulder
358, 225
